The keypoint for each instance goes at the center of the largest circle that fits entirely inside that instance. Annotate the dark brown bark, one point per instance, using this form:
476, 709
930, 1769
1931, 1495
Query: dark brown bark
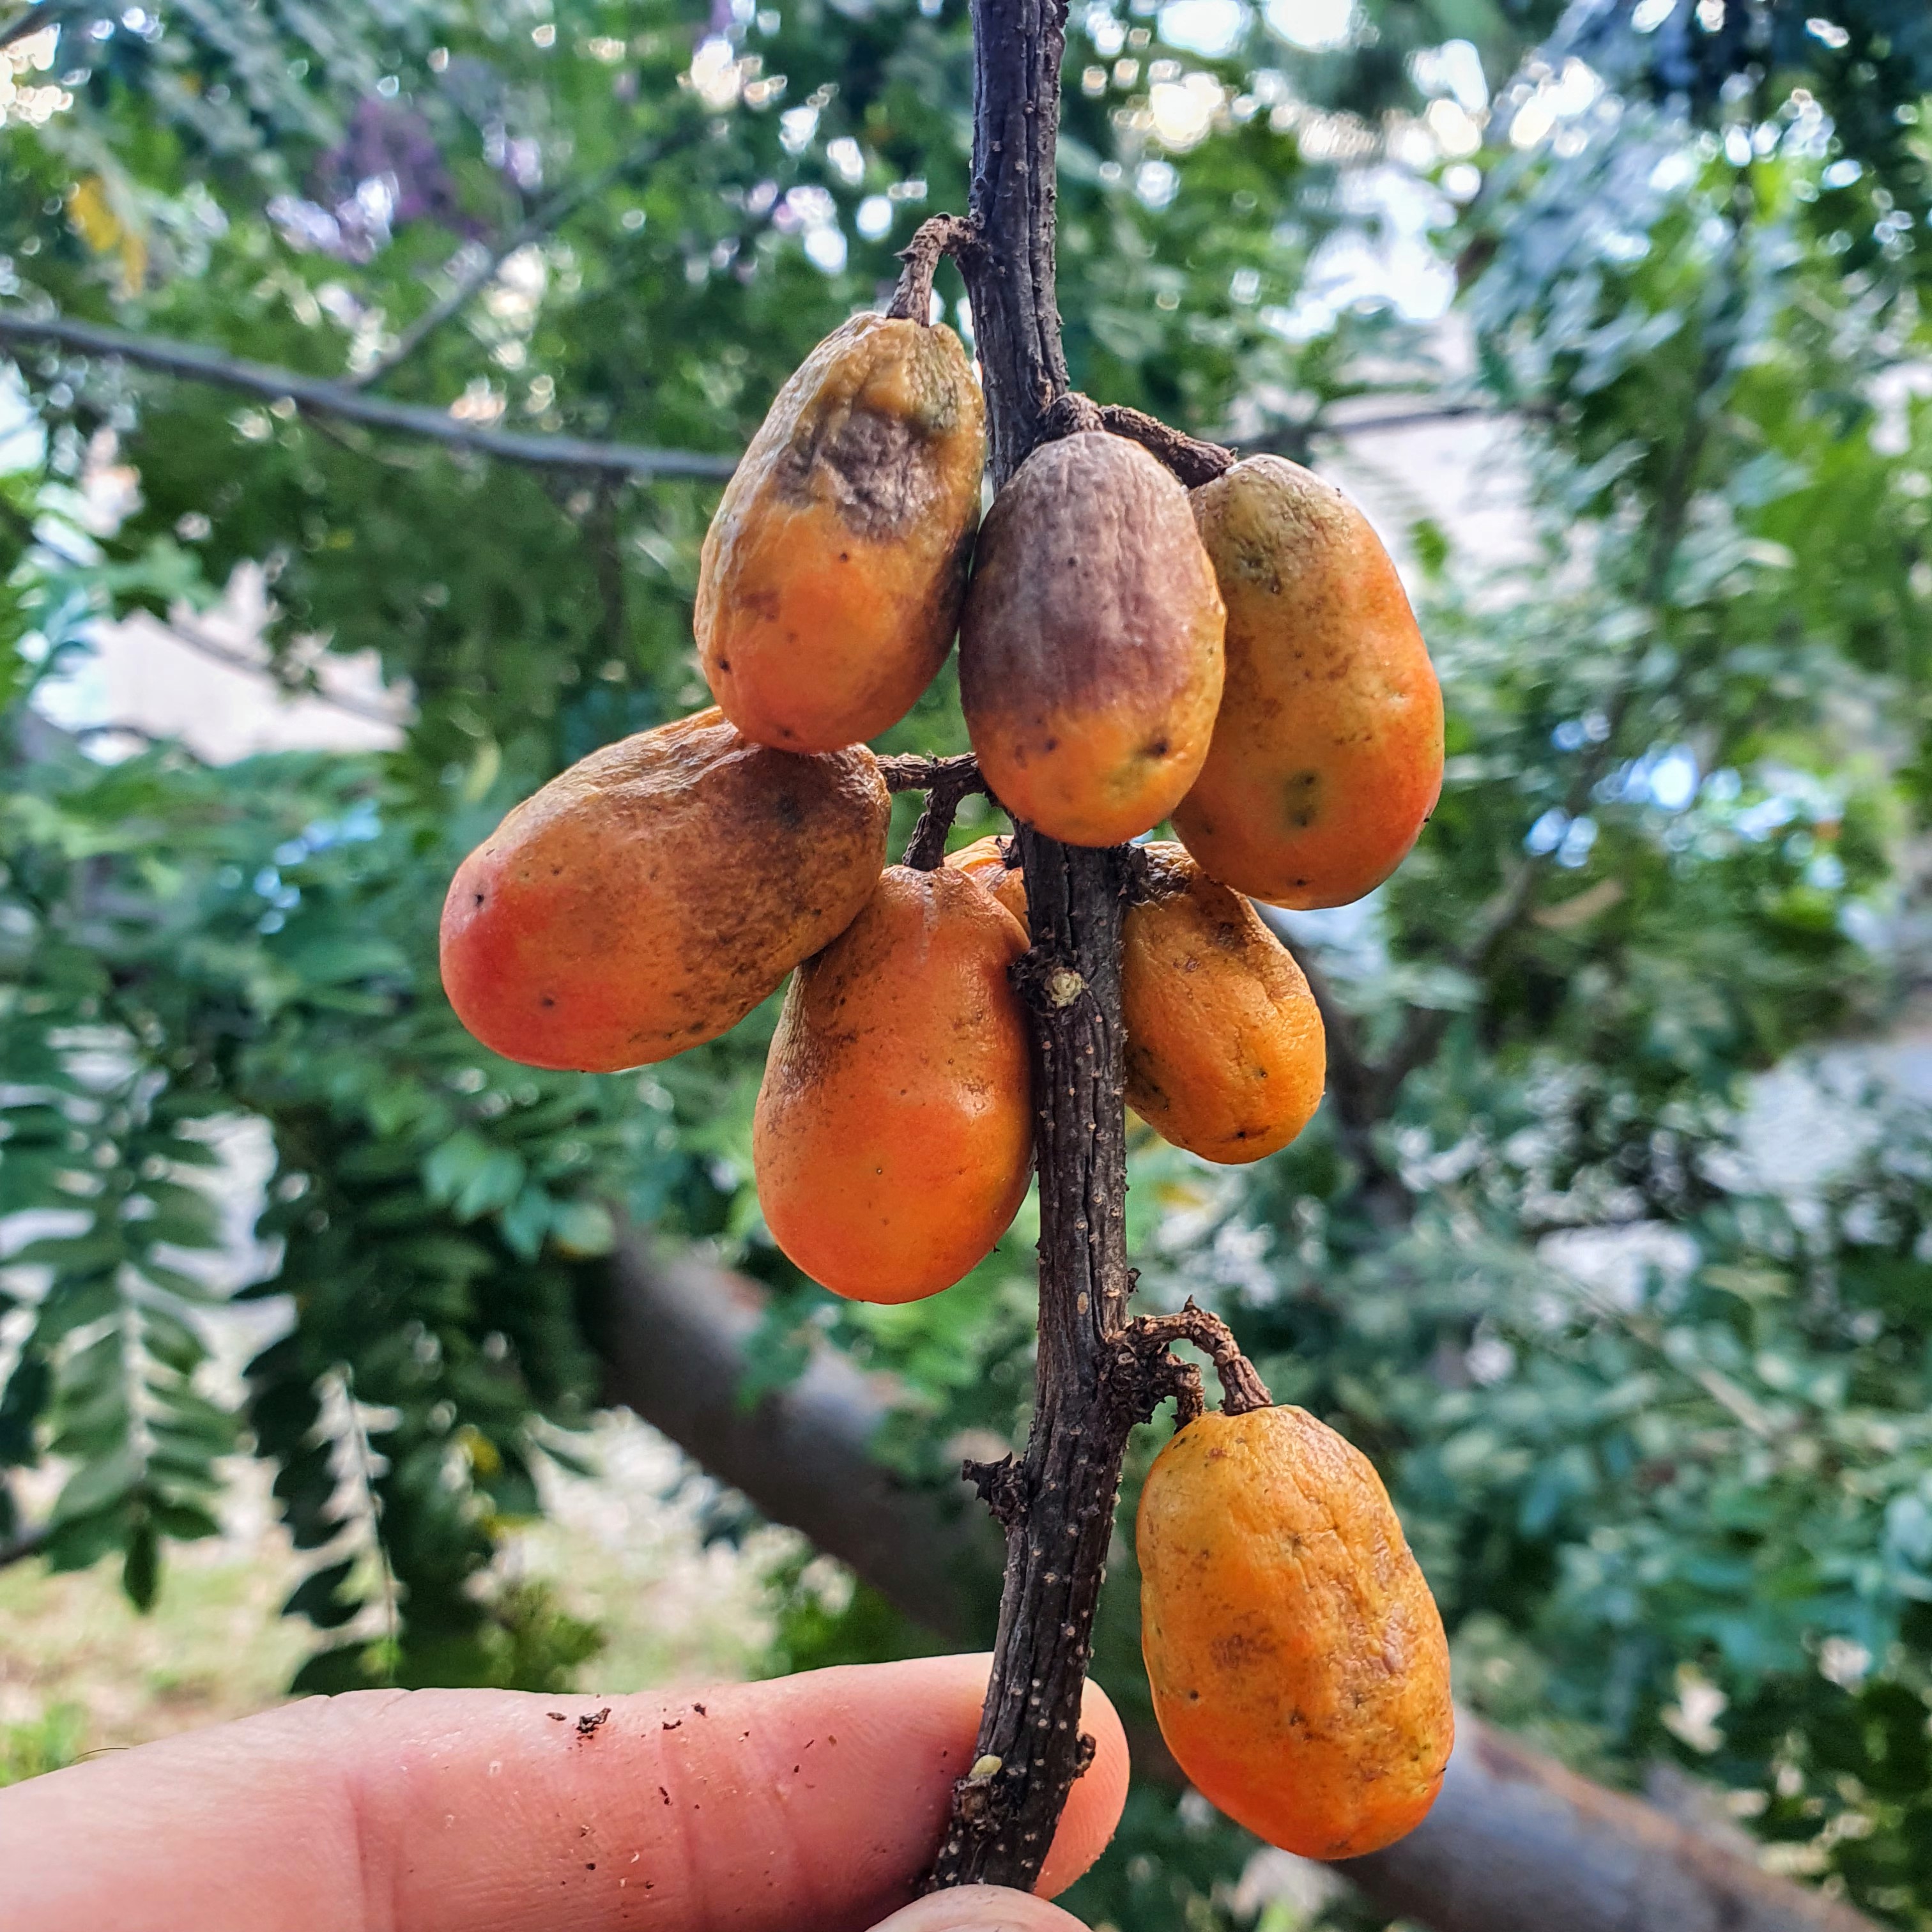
1057, 1503
1097, 1374
1515, 1844
1017, 47
945, 782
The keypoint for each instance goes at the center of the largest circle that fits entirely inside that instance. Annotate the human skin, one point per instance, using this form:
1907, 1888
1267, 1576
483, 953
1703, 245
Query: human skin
812, 1804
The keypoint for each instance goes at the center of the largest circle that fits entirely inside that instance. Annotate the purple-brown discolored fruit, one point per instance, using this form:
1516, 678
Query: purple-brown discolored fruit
1090, 646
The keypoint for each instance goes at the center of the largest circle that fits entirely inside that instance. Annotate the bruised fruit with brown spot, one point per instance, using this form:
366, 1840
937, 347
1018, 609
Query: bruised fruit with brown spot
1090, 646
1299, 1671
894, 1129
649, 897
1327, 755
829, 589
1226, 1051
986, 860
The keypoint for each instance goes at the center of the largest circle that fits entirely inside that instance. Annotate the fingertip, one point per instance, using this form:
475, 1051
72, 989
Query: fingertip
979, 1908
1093, 1805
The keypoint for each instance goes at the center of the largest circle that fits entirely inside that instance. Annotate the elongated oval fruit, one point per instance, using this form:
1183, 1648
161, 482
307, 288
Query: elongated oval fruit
1297, 1663
829, 589
1090, 646
1226, 1051
649, 897
1327, 755
894, 1129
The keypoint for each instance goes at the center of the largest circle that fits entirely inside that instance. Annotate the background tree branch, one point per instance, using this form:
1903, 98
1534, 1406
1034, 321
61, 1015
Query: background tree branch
542, 221
49, 13
313, 395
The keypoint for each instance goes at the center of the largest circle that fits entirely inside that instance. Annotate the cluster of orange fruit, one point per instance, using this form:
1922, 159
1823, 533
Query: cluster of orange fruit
1239, 658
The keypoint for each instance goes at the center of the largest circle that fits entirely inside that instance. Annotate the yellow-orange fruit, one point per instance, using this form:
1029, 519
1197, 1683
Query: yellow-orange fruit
1225, 1052
894, 1129
986, 860
1090, 646
1327, 753
1299, 1670
649, 897
829, 589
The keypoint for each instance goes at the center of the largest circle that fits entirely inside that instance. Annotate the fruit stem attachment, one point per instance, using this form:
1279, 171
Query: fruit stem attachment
1188, 458
914, 772
940, 235
1242, 1389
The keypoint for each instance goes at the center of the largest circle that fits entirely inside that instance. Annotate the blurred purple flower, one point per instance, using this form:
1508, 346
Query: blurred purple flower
386, 170
388, 141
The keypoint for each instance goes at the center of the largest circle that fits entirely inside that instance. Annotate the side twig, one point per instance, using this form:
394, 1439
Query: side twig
1242, 1389
943, 235
927, 848
1192, 460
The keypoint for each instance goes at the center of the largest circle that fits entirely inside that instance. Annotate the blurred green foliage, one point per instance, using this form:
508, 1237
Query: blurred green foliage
51, 1744
1676, 1496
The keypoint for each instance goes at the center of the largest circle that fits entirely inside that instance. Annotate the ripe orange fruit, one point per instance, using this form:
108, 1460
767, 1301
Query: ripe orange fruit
985, 860
1300, 1673
1226, 1054
649, 897
1089, 645
1327, 758
828, 588
894, 1130
1226, 1051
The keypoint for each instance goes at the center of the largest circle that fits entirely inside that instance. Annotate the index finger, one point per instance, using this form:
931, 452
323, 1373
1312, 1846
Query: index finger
810, 1804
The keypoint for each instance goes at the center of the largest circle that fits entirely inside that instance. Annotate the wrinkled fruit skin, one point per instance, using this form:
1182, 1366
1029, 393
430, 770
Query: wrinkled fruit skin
985, 860
1225, 1052
1090, 646
894, 1129
649, 897
829, 585
1327, 755
1299, 1670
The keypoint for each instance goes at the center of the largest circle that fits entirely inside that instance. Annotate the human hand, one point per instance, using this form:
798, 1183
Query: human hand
810, 1804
